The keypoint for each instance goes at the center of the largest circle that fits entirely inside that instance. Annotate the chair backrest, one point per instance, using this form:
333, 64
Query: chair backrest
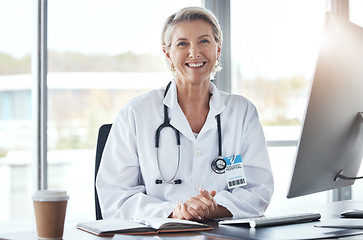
101, 141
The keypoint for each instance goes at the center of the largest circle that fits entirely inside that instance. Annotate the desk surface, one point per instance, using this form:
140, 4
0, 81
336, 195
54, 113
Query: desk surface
298, 231
74, 233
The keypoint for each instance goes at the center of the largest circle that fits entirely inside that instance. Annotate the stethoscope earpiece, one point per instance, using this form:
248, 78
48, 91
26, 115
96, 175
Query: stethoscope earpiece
219, 165
159, 181
178, 181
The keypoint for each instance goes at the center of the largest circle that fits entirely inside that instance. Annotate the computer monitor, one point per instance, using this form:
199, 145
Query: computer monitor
331, 142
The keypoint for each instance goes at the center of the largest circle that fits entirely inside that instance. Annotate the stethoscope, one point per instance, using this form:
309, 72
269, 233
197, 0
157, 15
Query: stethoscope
218, 165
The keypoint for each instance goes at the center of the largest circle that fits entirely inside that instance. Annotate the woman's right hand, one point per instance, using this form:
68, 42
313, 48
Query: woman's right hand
202, 206
193, 209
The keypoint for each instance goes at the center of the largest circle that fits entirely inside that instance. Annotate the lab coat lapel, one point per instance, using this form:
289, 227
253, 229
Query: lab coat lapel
179, 121
176, 115
216, 106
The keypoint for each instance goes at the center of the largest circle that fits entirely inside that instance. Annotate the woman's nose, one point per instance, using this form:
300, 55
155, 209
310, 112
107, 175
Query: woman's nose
194, 51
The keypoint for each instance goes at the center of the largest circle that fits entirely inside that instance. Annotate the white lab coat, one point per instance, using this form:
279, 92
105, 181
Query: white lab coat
126, 178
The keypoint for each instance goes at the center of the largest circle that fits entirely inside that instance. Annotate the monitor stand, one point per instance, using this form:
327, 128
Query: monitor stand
351, 213
340, 173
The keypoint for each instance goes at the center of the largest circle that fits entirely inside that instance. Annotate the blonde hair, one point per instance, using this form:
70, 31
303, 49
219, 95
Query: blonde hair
191, 14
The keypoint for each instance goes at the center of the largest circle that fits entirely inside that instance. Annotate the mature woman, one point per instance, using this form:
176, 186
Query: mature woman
221, 166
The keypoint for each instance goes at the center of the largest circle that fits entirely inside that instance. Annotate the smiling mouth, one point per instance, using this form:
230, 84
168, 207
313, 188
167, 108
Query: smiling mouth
196, 65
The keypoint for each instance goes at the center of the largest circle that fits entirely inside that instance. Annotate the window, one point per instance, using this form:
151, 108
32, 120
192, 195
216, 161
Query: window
15, 112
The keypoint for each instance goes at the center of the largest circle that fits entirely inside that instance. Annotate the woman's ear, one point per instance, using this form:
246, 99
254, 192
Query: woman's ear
219, 50
167, 52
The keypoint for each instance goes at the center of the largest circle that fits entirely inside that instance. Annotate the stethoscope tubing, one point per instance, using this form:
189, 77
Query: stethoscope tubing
215, 164
166, 124
171, 180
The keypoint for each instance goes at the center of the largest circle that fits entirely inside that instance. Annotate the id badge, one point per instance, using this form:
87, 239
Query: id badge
235, 174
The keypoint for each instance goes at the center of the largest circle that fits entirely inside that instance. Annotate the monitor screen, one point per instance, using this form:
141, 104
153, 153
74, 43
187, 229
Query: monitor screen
331, 140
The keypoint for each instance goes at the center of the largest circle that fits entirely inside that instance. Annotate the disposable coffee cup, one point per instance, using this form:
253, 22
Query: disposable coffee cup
50, 211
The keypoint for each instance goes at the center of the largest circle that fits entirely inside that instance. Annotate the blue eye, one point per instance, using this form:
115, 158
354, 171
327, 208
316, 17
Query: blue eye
181, 44
204, 41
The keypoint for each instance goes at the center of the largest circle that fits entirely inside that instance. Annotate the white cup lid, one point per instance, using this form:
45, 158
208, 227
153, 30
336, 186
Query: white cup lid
50, 195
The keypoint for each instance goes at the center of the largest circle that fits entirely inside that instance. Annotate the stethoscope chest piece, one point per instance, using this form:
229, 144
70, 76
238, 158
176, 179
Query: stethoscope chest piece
219, 165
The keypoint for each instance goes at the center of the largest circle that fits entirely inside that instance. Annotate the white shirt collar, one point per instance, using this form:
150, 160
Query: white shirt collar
178, 119
216, 103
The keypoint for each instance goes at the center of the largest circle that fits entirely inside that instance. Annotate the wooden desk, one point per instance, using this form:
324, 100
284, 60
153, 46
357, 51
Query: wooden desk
297, 231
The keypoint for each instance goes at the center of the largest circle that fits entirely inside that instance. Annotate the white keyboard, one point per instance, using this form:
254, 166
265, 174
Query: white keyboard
273, 220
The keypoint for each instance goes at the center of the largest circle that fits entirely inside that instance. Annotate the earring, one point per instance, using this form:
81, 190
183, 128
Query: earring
172, 67
217, 63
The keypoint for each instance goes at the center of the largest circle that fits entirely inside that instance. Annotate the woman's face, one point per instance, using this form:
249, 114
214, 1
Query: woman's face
193, 51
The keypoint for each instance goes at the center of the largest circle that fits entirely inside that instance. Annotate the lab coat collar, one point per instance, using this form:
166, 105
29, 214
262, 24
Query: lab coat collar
178, 119
216, 103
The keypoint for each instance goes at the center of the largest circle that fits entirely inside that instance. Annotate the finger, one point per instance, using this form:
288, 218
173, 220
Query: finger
189, 213
208, 199
207, 206
208, 195
213, 193
177, 211
191, 209
205, 194
173, 214
199, 206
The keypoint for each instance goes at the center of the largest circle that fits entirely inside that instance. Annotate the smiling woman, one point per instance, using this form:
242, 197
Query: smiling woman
193, 52
198, 112
191, 41
207, 24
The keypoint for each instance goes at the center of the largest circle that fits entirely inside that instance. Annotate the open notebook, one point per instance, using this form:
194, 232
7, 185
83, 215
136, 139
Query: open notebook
145, 225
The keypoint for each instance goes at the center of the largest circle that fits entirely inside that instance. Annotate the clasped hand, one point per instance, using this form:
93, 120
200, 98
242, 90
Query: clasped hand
203, 206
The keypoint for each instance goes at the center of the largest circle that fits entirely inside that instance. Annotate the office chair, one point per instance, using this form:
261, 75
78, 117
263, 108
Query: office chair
101, 141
